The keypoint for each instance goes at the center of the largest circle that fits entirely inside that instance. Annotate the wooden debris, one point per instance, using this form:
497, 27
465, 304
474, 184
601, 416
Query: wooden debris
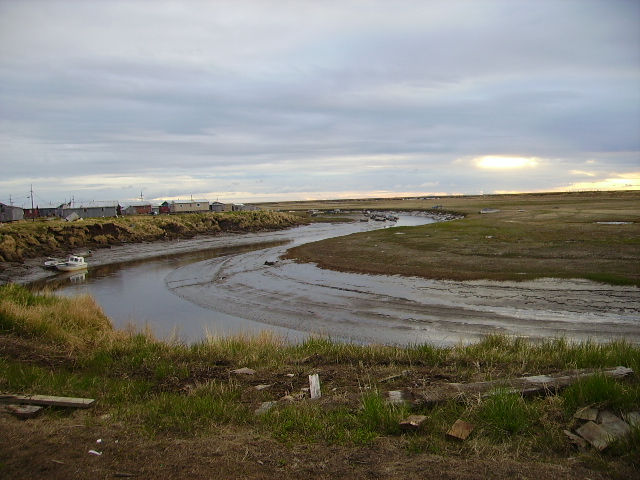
578, 441
244, 371
587, 413
413, 422
394, 397
461, 429
633, 419
314, 386
48, 400
615, 426
534, 385
21, 411
595, 435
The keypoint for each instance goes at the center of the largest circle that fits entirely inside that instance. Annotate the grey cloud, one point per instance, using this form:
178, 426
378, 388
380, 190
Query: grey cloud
302, 95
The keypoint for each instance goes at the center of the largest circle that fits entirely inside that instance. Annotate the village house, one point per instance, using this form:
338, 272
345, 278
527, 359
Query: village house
217, 207
139, 208
90, 209
189, 206
9, 213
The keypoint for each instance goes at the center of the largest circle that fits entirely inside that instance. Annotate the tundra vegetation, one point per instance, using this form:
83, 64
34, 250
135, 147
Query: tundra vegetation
590, 235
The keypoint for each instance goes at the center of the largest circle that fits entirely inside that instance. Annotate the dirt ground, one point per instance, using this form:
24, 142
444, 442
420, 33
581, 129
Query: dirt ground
94, 443
61, 448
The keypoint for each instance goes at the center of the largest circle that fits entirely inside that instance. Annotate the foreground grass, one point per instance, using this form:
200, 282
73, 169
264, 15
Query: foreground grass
595, 236
60, 346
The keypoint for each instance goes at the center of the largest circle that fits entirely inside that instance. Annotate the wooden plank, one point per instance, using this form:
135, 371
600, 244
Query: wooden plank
21, 411
461, 429
633, 419
595, 435
48, 400
413, 422
587, 413
533, 385
615, 426
314, 386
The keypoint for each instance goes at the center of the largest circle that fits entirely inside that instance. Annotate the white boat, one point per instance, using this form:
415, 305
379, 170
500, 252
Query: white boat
52, 262
71, 264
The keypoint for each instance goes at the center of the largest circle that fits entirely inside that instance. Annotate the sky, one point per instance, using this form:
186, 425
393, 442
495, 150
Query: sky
270, 100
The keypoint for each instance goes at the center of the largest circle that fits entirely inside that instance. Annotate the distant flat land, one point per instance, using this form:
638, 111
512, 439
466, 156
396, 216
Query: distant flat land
591, 235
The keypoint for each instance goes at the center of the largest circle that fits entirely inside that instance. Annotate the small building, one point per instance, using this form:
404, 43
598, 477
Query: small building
9, 213
91, 209
48, 211
30, 213
164, 208
189, 206
241, 207
217, 207
139, 208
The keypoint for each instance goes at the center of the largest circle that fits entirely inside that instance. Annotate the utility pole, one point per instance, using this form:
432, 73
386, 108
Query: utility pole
33, 214
141, 197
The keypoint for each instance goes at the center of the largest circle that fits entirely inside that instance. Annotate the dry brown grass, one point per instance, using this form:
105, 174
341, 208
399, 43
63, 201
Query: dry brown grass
532, 236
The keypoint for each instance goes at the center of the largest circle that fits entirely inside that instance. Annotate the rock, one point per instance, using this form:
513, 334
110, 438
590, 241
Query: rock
244, 371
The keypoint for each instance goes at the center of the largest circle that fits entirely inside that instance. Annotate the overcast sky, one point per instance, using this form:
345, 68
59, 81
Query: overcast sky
291, 100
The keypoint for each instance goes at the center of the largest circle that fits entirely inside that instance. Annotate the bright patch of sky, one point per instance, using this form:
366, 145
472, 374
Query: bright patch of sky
249, 100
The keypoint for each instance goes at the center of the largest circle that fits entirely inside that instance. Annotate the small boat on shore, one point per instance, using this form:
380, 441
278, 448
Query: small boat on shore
71, 264
52, 262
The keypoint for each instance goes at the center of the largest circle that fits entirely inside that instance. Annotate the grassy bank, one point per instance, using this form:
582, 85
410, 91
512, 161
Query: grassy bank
67, 347
587, 235
27, 239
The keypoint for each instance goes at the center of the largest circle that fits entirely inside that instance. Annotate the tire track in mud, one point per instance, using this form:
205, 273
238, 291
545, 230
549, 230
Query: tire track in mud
404, 310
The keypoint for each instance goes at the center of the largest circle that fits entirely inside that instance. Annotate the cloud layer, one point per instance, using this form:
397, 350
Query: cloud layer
251, 100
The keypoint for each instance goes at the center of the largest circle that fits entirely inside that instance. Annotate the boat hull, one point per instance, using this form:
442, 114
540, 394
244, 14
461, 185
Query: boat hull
70, 268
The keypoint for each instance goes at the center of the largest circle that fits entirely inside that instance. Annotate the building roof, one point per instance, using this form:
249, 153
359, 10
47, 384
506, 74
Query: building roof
195, 200
94, 204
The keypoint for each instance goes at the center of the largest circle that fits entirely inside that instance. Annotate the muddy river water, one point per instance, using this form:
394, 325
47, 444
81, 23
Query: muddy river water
239, 284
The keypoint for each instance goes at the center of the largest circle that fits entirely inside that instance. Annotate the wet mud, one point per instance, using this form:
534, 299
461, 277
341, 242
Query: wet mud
405, 310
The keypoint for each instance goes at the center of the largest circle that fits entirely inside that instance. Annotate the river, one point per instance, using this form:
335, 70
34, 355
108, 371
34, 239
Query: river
136, 293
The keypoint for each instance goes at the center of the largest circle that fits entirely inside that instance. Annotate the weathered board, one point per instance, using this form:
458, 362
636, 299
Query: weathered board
21, 411
314, 386
534, 385
47, 400
461, 429
413, 422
